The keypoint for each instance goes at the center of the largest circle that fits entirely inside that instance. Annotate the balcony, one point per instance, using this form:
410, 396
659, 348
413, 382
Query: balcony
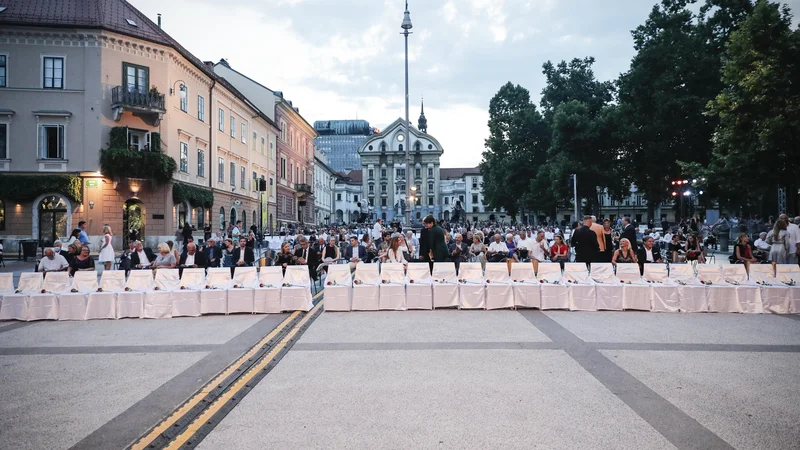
150, 105
303, 191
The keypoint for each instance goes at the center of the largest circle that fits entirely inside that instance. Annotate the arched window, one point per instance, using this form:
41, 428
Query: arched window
401, 147
52, 219
244, 221
255, 220
2, 215
181, 210
383, 146
417, 147
221, 218
233, 216
200, 215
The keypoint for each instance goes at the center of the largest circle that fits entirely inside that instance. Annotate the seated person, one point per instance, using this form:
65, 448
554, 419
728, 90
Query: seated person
675, 249
142, 258
693, 250
498, 251
559, 252
742, 252
82, 262
243, 255
762, 247
355, 253
307, 256
647, 254
125, 258
624, 254
212, 254
285, 258
166, 257
53, 262
458, 250
330, 254
512, 247
192, 258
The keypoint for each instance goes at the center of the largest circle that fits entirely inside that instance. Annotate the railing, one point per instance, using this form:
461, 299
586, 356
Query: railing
303, 188
132, 98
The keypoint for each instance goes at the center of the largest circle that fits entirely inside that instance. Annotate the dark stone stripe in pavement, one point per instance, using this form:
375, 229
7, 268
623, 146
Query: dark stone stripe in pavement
123, 430
680, 429
18, 351
696, 347
15, 326
353, 346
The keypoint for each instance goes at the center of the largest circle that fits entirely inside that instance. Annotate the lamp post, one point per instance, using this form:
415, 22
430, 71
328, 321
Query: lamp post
406, 25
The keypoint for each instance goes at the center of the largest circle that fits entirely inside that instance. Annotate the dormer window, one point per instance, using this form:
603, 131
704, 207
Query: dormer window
131, 23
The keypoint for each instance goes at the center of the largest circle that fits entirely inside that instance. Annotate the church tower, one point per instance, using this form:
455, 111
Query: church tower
422, 124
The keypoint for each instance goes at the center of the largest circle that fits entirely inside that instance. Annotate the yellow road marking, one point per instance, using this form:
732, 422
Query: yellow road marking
220, 401
144, 442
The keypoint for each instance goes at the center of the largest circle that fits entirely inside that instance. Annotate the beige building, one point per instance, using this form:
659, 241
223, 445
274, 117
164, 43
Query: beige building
75, 82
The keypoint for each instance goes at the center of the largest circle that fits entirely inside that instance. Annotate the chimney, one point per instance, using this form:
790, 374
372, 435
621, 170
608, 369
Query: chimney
159, 20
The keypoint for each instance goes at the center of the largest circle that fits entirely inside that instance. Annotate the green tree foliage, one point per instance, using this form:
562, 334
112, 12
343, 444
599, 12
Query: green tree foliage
757, 143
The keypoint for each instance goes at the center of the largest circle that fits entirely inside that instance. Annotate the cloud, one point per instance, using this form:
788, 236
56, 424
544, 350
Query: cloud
339, 59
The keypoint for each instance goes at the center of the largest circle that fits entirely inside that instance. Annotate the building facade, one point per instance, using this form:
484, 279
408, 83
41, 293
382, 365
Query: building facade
383, 162
179, 143
462, 190
340, 141
295, 165
324, 180
349, 201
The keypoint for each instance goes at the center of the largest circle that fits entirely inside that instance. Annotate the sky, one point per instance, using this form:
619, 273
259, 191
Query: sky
344, 59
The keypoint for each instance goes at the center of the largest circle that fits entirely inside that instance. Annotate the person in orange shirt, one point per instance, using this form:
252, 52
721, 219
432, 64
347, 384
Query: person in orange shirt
601, 239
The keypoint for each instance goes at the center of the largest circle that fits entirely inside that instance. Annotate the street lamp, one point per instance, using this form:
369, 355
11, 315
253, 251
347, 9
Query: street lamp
406, 25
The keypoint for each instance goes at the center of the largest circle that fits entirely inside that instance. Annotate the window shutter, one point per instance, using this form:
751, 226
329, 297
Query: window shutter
148, 140
42, 142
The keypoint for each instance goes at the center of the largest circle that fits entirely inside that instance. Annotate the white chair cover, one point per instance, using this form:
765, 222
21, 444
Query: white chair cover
214, 298
158, 302
775, 296
636, 292
525, 286
102, 304
296, 289
582, 289
554, 293
608, 287
44, 306
748, 293
72, 305
15, 305
691, 292
445, 285
720, 294
186, 300
392, 293
499, 293
419, 293
267, 295
789, 274
366, 287
6, 283
472, 287
241, 294
665, 297
338, 288
130, 302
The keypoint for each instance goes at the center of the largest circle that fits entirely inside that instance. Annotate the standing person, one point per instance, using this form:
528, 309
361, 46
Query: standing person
106, 250
601, 239
792, 238
207, 232
585, 242
629, 233
377, 230
779, 240
424, 245
609, 238
83, 237
236, 231
186, 233
438, 247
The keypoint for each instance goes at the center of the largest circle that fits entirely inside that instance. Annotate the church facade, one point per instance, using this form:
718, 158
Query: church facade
385, 172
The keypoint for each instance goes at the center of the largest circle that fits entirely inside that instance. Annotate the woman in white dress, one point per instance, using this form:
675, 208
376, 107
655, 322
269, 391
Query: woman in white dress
395, 252
777, 237
106, 250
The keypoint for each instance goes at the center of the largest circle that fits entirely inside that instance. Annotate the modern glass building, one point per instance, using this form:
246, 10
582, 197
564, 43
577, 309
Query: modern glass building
340, 140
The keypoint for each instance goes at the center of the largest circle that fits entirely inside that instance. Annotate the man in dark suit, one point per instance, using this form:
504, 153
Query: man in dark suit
648, 254
212, 253
458, 250
584, 240
242, 255
192, 258
355, 253
629, 233
438, 247
319, 246
307, 256
142, 258
424, 245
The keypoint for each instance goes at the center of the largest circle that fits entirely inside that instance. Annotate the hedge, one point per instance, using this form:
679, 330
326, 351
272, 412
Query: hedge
196, 196
26, 188
119, 163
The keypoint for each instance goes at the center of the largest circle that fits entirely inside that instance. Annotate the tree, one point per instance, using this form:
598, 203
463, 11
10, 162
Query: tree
518, 139
756, 147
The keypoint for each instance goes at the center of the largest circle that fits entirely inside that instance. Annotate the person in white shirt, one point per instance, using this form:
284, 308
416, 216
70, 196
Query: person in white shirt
538, 249
52, 262
792, 238
498, 250
761, 243
236, 230
377, 231
524, 244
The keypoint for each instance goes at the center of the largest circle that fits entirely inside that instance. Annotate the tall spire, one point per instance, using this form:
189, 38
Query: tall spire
422, 124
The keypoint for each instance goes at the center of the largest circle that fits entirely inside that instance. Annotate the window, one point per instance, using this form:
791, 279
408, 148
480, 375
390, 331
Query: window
430, 201
283, 168
233, 174
200, 215
418, 173
3, 71
400, 147
417, 147
475, 183
419, 189
430, 187
430, 172
355, 198
244, 133
271, 187
371, 188
338, 197
475, 209
255, 142
371, 174
221, 120
51, 141
474, 198
184, 165
263, 141
383, 146
447, 200
233, 126
136, 78
201, 163
254, 185
53, 73
221, 218
383, 202
201, 109
185, 99
243, 178
3, 140
383, 188
283, 131
401, 173
2, 215
383, 173
461, 199
221, 170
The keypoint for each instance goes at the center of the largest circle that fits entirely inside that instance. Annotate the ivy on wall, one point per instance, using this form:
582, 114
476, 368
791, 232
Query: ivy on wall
196, 196
25, 188
119, 161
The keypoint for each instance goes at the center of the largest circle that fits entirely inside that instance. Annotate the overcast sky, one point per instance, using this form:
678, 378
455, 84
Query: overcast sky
342, 59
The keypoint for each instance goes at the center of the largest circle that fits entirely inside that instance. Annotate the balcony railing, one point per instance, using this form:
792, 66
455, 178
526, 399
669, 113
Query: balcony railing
305, 188
152, 101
